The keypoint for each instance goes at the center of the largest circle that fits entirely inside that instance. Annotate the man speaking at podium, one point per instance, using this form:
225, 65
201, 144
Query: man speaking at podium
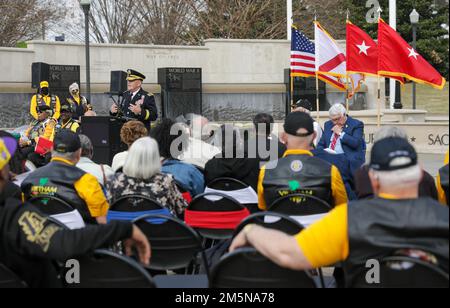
137, 104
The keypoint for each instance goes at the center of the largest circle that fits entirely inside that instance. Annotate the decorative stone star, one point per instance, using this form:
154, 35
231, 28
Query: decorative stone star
412, 53
363, 48
413, 139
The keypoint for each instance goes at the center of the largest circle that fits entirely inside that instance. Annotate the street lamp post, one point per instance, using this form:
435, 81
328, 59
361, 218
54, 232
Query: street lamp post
86, 5
414, 18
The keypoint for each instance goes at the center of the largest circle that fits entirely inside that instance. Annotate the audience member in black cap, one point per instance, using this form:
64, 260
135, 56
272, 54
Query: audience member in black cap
363, 187
305, 106
137, 104
62, 179
66, 121
299, 171
396, 222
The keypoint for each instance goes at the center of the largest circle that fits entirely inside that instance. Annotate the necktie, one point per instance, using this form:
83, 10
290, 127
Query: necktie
334, 142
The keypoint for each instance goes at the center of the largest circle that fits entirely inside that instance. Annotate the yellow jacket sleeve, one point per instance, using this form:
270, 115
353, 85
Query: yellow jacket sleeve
338, 188
261, 201
89, 189
75, 126
33, 106
57, 108
326, 242
441, 193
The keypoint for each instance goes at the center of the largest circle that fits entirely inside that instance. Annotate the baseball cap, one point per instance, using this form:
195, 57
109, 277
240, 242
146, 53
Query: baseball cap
296, 121
8, 147
391, 154
66, 107
304, 103
66, 141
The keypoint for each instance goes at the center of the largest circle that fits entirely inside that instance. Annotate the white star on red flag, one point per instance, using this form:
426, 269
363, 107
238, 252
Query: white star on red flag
413, 53
363, 48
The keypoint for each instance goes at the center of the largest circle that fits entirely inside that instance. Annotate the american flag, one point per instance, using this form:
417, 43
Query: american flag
303, 55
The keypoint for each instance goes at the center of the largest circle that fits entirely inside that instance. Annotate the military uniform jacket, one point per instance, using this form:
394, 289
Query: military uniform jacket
149, 110
29, 241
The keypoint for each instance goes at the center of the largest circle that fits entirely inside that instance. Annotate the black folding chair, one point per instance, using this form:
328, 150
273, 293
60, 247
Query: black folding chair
51, 205
135, 203
405, 272
106, 269
9, 280
224, 204
227, 184
174, 244
308, 205
231, 184
246, 268
281, 223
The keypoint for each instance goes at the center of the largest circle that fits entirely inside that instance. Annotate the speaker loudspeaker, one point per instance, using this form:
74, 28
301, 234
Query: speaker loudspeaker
39, 72
118, 82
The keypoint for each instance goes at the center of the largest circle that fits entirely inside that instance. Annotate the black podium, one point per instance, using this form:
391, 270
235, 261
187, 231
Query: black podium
104, 133
181, 91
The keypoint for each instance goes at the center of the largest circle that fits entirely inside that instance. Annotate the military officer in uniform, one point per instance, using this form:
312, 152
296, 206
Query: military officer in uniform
137, 104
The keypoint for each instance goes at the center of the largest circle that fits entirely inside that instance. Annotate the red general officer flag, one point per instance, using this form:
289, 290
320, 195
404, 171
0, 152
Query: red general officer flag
398, 59
362, 51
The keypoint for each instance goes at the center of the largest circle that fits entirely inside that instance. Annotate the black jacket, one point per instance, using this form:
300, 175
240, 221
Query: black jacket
149, 110
29, 242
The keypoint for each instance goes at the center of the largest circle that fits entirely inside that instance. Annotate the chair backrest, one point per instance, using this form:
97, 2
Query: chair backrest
9, 280
307, 205
227, 184
135, 203
174, 244
216, 206
272, 220
107, 269
247, 268
405, 272
51, 205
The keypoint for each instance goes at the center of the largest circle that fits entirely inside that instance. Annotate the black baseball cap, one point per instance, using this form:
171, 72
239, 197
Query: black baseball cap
43, 108
391, 154
66, 107
66, 141
296, 121
304, 103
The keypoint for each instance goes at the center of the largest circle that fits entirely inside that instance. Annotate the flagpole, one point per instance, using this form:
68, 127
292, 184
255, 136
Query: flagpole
317, 77
317, 97
379, 83
292, 92
379, 103
346, 74
347, 98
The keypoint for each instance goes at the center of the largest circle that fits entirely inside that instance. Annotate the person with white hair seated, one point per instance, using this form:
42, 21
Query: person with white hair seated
344, 135
142, 176
197, 151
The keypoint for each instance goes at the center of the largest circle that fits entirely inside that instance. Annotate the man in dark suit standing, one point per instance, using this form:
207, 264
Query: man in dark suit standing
344, 135
137, 104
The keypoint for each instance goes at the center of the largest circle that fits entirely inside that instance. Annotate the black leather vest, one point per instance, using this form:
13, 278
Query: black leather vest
378, 228
301, 174
57, 179
443, 173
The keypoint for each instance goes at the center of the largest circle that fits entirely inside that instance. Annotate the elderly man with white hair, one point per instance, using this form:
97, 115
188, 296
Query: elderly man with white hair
344, 135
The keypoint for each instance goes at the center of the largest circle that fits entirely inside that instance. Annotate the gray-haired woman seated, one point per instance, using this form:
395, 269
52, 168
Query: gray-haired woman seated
142, 175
